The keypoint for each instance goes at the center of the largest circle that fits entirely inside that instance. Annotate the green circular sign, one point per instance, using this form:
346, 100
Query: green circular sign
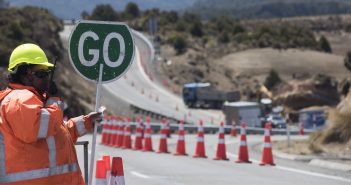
95, 44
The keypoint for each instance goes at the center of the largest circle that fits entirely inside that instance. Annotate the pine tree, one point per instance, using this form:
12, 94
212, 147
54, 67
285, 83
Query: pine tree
272, 79
324, 44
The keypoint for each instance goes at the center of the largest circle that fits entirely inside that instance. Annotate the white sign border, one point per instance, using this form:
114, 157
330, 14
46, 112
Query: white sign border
101, 22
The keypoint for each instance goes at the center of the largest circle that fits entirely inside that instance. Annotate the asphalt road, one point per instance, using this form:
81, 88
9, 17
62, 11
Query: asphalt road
150, 168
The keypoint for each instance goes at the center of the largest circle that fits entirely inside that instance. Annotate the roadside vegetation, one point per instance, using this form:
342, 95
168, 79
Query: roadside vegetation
193, 40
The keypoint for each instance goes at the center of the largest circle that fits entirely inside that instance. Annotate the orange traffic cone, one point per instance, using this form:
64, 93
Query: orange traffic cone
120, 136
114, 132
243, 150
117, 173
107, 160
100, 174
127, 140
267, 157
221, 151
233, 130
181, 139
200, 145
163, 140
109, 128
138, 144
147, 138
104, 131
302, 131
168, 129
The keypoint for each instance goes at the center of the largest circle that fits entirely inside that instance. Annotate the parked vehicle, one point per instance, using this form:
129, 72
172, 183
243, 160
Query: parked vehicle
277, 121
249, 112
202, 95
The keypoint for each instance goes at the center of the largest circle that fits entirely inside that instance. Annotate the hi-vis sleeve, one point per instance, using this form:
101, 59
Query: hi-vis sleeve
78, 126
28, 118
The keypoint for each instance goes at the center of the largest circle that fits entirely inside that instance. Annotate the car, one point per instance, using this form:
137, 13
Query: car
277, 121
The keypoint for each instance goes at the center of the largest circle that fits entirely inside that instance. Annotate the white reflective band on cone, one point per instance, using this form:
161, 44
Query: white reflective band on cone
118, 180
163, 136
100, 182
200, 139
127, 133
147, 135
108, 176
138, 134
200, 129
181, 138
243, 131
243, 143
221, 130
267, 145
266, 132
221, 141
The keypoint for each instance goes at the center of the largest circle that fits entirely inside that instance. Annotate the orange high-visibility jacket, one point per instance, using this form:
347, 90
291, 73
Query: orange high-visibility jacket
36, 146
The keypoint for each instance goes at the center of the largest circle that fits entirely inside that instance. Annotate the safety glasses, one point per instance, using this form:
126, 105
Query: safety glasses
41, 74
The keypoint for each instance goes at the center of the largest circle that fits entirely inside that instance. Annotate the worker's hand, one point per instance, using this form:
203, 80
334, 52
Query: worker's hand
95, 117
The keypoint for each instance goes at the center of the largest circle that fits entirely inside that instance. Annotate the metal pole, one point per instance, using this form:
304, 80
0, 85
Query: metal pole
288, 134
85, 145
86, 161
97, 105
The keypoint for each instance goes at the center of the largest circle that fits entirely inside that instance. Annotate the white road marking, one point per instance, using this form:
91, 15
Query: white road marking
298, 170
313, 173
140, 175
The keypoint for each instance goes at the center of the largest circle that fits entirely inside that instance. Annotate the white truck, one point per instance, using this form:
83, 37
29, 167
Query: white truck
249, 112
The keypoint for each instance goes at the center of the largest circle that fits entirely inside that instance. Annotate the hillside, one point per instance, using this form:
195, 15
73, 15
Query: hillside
72, 9
250, 9
36, 25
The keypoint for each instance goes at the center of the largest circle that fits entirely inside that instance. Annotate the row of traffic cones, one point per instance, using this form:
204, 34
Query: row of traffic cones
107, 174
243, 156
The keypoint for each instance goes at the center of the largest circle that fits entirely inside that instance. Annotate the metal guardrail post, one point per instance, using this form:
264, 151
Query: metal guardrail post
85, 144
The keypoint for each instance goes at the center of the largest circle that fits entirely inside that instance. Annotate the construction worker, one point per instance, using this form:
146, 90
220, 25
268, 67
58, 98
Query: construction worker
36, 146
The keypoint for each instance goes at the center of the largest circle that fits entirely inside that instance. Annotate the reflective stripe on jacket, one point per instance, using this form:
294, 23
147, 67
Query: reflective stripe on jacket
36, 146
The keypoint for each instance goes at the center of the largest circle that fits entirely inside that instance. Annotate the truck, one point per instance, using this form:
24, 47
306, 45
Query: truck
202, 95
248, 112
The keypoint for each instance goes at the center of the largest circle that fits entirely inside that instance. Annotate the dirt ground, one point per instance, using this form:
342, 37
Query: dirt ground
333, 151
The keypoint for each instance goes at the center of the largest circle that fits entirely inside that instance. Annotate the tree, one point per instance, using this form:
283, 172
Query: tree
324, 44
347, 60
223, 38
179, 43
272, 79
84, 15
131, 10
196, 29
104, 12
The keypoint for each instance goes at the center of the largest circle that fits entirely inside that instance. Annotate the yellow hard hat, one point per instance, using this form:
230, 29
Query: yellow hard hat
28, 54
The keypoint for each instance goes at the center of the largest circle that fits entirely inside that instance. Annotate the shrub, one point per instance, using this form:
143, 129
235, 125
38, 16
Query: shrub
179, 43
324, 44
272, 79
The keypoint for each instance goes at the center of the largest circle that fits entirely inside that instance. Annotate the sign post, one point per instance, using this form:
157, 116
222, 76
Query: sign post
100, 52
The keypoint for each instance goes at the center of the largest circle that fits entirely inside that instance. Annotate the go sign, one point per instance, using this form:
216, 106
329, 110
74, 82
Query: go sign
95, 44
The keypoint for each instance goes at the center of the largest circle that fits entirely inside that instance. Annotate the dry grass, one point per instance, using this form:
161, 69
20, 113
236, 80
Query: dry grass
335, 139
299, 147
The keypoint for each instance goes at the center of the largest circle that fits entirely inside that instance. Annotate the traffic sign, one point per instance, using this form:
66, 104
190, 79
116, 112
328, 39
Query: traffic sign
95, 44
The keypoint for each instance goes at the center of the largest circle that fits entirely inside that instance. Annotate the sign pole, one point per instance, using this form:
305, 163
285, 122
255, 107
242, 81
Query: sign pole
97, 105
